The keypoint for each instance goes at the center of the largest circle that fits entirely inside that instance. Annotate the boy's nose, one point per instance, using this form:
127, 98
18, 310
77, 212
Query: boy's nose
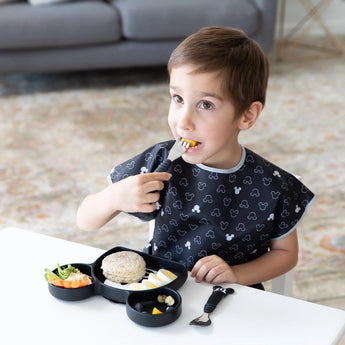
185, 120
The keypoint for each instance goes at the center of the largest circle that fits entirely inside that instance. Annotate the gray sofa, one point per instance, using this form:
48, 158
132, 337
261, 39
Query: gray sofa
99, 34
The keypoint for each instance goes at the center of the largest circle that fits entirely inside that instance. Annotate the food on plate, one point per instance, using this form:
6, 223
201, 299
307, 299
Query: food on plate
69, 277
156, 311
135, 286
146, 284
168, 300
139, 307
192, 143
155, 280
161, 298
124, 267
166, 275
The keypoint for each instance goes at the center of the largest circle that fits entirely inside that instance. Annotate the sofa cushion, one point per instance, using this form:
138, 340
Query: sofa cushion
174, 19
5, 1
58, 25
44, 2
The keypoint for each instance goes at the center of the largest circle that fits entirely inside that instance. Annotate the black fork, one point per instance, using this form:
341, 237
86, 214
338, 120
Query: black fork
217, 295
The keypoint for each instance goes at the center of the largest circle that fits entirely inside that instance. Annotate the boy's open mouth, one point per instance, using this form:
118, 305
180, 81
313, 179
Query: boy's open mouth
192, 143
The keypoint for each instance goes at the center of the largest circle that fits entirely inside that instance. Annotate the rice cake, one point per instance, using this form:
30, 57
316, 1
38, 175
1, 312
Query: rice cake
124, 267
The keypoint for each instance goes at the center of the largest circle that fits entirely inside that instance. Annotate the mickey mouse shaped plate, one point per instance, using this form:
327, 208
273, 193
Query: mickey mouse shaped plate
162, 277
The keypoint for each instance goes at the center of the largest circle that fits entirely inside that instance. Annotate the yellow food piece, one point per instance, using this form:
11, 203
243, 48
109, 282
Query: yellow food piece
168, 274
192, 143
135, 286
155, 280
169, 301
156, 311
161, 298
148, 284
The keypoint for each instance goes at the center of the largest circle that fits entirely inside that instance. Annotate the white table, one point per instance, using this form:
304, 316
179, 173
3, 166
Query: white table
31, 315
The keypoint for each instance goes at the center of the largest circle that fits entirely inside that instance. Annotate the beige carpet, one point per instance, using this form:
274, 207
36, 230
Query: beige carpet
61, 134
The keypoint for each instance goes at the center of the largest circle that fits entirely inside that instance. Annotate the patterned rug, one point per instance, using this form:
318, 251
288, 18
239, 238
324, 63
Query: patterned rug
62, 133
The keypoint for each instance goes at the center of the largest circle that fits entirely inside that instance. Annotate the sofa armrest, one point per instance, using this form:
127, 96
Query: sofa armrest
266, 35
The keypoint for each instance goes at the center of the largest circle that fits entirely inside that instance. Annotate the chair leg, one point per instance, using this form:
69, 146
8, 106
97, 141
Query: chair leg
151, 228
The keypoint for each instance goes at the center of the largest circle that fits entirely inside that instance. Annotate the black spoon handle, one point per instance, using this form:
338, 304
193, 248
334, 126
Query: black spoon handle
217, 295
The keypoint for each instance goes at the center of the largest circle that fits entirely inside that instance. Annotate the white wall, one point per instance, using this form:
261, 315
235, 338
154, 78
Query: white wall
334, 16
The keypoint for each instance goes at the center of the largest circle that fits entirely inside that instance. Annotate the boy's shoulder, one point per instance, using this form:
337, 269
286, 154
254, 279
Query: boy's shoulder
263, 166
272, 179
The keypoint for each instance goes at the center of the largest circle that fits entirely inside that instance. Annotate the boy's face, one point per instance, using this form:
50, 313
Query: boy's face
200, 111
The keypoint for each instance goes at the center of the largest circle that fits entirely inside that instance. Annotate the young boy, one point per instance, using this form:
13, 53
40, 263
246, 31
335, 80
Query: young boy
224, 211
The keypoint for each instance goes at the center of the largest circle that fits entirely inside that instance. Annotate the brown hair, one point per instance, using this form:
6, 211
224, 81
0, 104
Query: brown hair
240, 61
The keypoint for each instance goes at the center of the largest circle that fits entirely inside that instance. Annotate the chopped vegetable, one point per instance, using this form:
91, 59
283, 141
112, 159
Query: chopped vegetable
69, 277
50, 275
64, 273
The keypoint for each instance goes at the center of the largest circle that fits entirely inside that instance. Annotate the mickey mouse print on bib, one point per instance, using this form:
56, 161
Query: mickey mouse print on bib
231, 213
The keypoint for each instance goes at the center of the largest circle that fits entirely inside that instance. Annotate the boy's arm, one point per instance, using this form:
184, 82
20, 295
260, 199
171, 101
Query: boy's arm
96, 210
280, 259
138, 193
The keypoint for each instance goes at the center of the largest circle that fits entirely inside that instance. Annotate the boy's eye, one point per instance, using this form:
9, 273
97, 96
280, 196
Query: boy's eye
206, 105
178, 99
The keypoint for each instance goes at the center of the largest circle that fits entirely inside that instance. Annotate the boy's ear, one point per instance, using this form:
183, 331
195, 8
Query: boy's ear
249, 117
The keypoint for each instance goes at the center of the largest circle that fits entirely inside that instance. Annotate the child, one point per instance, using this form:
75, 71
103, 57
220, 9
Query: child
224, 211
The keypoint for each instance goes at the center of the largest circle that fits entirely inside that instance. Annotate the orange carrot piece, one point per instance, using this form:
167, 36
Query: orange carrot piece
80, 283
86, 281
83, 283
75, 284
56, 282
67, 283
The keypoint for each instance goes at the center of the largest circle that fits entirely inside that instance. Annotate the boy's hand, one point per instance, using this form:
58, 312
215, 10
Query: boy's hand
139, 193
214, 270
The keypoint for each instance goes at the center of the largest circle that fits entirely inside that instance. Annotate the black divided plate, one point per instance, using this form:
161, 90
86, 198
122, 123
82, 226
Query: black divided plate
147, 301
112, 293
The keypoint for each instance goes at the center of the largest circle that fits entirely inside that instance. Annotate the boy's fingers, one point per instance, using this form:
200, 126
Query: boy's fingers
200, 269
152, 186
151, 198
146, 208
161, 176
